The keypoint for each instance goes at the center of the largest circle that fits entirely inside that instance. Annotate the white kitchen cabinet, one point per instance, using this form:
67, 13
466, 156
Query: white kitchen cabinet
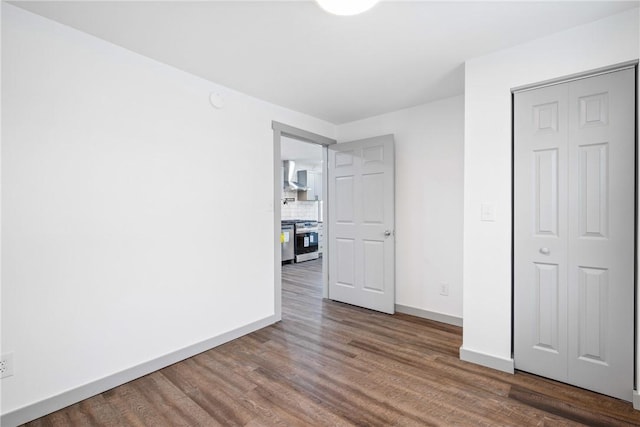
317, 185
313, 181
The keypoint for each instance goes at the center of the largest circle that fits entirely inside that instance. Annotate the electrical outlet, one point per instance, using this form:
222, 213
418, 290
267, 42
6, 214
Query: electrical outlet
444, 289
6, 365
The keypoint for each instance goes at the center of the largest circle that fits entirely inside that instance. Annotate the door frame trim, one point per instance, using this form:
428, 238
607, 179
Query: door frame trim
279, 130
633, 64
576, 76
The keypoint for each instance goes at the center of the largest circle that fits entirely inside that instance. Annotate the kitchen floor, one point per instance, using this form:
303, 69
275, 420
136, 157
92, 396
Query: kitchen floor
303, 277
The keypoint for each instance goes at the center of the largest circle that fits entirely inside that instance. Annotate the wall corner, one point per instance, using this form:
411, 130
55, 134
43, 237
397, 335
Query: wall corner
488, 360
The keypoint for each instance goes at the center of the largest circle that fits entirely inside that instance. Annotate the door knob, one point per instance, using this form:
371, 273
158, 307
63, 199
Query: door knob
545, 251
387, 233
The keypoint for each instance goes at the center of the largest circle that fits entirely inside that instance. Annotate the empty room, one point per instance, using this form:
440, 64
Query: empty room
319, 212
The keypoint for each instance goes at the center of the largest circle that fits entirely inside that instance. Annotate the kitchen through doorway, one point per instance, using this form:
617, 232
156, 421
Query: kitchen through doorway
300, 208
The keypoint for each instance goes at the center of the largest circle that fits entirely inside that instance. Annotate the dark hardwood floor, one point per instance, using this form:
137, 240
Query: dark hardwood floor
328, 363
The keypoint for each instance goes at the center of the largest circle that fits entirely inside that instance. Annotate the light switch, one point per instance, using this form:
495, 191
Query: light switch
487, 212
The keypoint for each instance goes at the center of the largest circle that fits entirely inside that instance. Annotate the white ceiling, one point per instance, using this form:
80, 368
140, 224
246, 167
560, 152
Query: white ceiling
292, 53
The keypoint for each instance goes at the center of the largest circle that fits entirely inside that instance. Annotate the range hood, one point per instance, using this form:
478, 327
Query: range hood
290, 182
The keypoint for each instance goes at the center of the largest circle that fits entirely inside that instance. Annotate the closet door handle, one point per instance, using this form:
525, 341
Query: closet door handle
545, 251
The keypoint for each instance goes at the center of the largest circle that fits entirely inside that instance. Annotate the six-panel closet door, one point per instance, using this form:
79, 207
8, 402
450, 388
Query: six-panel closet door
574, 232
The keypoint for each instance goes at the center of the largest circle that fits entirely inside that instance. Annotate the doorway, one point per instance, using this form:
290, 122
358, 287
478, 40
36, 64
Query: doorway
574, 231
309, 196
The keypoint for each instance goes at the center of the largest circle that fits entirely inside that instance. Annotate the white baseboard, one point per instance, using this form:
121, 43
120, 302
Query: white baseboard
494, 362
431, 315
62, 400
636, 400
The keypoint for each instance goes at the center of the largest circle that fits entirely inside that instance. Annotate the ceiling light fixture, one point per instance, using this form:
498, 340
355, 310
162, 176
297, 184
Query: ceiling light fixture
346, 7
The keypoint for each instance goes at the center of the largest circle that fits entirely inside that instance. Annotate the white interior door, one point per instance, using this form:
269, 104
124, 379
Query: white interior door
540, 232
361, 223
574, 232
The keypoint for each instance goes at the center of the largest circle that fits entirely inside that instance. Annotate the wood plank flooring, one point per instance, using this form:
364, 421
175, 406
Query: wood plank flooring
331, 364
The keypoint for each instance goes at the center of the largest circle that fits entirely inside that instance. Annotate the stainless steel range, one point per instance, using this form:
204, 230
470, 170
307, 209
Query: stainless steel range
306, 239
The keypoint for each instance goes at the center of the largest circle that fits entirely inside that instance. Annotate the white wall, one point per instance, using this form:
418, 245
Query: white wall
487, 170
429, 178
121, 218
